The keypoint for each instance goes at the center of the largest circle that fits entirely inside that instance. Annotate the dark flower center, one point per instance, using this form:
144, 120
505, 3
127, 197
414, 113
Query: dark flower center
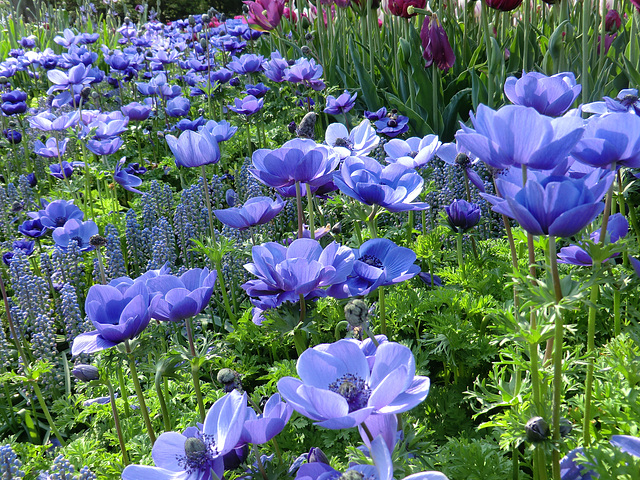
343, 142
60, 221
392, 123
198, 454
628, 100
413, 154
79, 241
371, 260
354, 390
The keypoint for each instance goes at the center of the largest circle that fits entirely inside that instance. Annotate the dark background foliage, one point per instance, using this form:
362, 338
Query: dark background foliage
169, 9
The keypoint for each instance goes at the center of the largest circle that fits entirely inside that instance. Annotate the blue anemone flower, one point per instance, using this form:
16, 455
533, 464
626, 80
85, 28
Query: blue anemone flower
617, 228
255, 211
193, 149
393, 187
337, 388
76, 230
550, 96
553, 205
298, 160
378, 262
611, 138
57, 213
517, 135
125, 179
118, 314
382, 468
197, 453
342, 104
182, 297
303, 268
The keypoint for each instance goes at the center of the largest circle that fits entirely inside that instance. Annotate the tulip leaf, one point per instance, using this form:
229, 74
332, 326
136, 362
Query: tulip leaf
459, 102
364, 78
631, 72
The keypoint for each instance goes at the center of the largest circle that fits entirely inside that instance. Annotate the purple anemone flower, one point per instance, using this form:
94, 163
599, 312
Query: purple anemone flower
125, 179
76, 230
298, 160
414, 152
247, 105
32, 228
77, 75
610, 138
393, 125
378, 262
221, 131
517, 135
178, 107
617, 228
553, 205
338, 389
259, 429
360, 141
255, 211
393, 187
550, 96
462, 216
258, 91
136, 111
194, 149
46, 121
247, 63
118, 314
182, 297
25, 246
52, 149
303, 268
63, 169
13, 136
57, 213
105, 147
342, 104
382, 468
198, 451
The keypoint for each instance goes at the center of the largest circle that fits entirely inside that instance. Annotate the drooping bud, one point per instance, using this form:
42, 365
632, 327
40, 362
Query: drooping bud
98, 241
86, 373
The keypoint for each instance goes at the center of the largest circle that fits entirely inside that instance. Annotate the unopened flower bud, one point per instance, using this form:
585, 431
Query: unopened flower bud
355, 312
3, 79
85, 92
205, 18
86, 373
306, 50
192, 20
127, 20
309, 37
317, 455
537, 430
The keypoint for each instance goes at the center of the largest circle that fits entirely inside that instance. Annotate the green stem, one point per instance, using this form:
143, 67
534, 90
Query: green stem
557, 357
591, 333
116, 421
299, 206
208, 200
225, 296
136, 384
383, 316
299, 337
166, 419
459, 252
487, 46
195, 369
616, 312
310, 206
125, 396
